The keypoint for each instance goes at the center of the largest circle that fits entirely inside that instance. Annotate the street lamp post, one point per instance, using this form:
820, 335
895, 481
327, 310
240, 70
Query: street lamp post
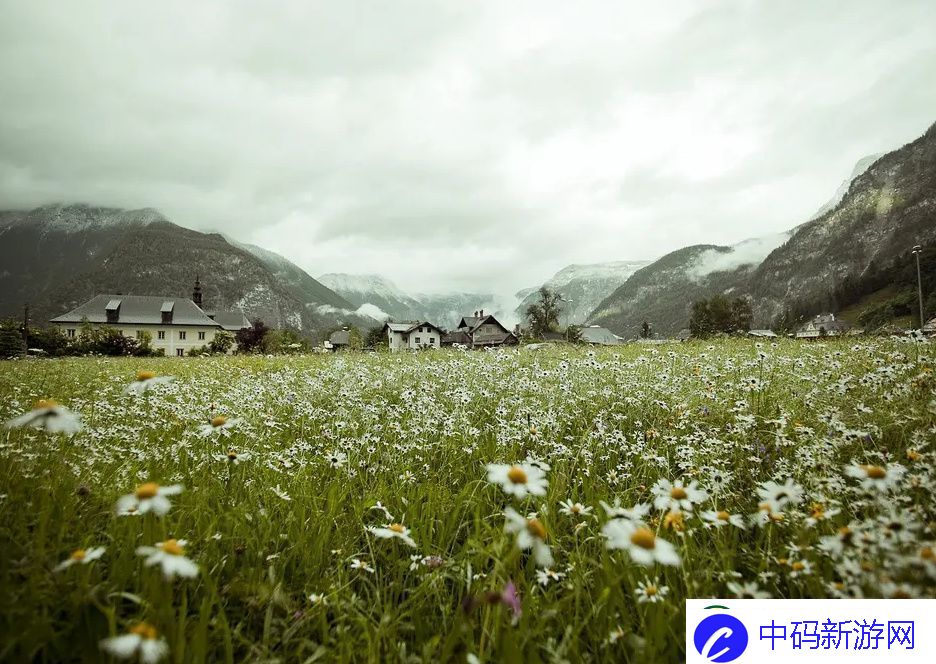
917, 250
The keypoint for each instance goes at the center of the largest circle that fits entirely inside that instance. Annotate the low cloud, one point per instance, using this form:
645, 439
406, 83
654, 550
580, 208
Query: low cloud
372, 310
748, 252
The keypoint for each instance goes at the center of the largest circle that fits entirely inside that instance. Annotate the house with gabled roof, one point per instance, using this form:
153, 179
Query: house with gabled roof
413, 335
481, 331
823, 325
176, 325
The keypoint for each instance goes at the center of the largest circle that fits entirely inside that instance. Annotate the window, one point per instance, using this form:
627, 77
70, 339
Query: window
70, 332
432, 341
161, 334
417, 341
179, 351
181, 335
201, 336
139, 334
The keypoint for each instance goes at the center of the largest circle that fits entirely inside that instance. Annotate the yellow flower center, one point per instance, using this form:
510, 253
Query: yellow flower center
172, 547
722, 515
45, 403
533, 430
678, 493
218, 421
866, 566
764, 507
535, 528
575, 509
900, 594
875, 472
145, 630
517, 475
673, 520
145, 375
926, 553
397, 528
845, 533
650, 591
78, 555
643, 538
782, 561
232, 456
913, 455
798, 566
147, 490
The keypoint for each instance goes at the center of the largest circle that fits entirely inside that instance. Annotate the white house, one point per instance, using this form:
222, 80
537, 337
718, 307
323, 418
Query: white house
823, 325
176, 325
412, 336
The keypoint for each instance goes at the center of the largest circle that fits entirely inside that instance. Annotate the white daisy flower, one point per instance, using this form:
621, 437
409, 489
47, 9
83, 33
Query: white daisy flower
723, 518
547, 575
280, 493
650, 593
520, 480
641, 544
878, 478
393, 531
234, 458
141, 640
574, 509
145, 381
748, 590
636, 513
219, 424
148, 497
361, 565
48, 415
531, 534
673, 496
80, 556
170, 555
774, 497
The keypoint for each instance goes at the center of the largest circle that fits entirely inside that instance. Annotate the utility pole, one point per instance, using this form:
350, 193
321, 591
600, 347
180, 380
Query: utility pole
917, 250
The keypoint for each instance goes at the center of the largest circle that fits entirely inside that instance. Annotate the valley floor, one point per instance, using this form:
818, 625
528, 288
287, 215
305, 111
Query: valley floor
536, 505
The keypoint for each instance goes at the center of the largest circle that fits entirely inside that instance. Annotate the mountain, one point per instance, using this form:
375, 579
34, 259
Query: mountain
57, 256
843, 256
583, 287
863, 164
888, 209
380, 297
662, 292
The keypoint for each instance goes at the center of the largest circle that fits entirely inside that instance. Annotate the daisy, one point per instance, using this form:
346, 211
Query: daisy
636, 513
234, 458
393, 531
777, 496
82, 556
544, 576
318, 598
650, 592
748, 590
142, 639
518, 480
723, 518
531, 534
361, 565
574, 509
280, 493
220, 424
49, 415
145, 381
641, 544
673, 496
879, 478
170, 555
148, 497
379, 507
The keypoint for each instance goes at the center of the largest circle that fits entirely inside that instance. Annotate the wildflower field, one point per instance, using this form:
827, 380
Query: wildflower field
544, 505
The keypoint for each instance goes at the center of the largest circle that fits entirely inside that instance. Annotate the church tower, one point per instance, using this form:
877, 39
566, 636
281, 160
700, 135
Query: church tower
196, 293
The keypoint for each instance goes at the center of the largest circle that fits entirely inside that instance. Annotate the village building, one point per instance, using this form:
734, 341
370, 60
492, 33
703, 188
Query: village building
412, 335
176, 325
930, 327
762, 334
600, 336
481, 331
823, 325
338, 340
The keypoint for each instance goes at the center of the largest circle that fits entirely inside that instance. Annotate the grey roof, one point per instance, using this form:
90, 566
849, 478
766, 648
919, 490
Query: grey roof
137, 310
340, 338
762, 333
470, 321
596, 334
410, 326
232, 320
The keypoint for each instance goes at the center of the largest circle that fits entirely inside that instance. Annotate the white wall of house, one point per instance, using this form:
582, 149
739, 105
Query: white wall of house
174, 340
424, 336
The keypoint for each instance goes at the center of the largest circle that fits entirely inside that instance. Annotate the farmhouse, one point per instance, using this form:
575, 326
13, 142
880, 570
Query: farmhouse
823, 325
600, 336
480, 331
176, 325
412, 335
338, 340
930, 327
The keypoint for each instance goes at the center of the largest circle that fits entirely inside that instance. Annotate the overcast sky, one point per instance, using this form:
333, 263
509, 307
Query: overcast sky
469, 145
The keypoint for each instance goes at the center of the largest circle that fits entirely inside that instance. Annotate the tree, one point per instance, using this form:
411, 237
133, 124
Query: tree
222, 342
250, 339
646, 330
573, 334
544, 313
277, 342
355, 339
376, 338
719, 315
